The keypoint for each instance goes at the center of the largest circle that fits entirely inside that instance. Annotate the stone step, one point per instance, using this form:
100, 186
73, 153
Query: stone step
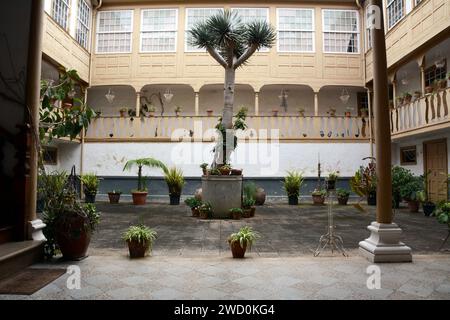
15, 256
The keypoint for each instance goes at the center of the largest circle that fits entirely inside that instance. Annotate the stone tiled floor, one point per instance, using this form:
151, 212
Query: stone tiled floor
191, 259
285, 230
219, 277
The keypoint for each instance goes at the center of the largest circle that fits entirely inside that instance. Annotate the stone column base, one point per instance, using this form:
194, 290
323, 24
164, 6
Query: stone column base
35, 228
384, 244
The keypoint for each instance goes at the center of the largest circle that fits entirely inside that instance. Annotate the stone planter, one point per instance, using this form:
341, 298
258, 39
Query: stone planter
223, 193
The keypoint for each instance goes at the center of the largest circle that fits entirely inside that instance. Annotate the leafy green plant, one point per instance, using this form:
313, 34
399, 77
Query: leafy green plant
204, 165
225, 166
400, 177
292, 183
250, 190
248, 202
342, 193
193, 202
333, 175
411, 190
364, 181
236, 210
56, 120
175, 180
177, 109
214, 172
245, 237
442, 213
90, 182
141, 163
141, 234
319, 192
206, 207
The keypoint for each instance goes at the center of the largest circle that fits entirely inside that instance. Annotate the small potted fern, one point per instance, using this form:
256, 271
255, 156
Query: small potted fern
342, 196
241, 240
236, 213
194, 204
292, 183
139, 239
205, 210
90, 184
175, 182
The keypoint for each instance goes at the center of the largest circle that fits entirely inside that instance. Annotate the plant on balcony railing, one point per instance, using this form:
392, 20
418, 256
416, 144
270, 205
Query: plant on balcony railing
61, 114
231, 43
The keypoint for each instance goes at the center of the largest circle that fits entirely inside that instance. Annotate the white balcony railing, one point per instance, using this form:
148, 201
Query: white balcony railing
200, 128
423, 114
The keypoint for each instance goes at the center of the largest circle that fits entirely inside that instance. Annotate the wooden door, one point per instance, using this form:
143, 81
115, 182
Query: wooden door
435, 156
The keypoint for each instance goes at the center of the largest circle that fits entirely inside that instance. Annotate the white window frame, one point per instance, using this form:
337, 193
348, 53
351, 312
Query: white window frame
388, 3
97, 32
186, 27
69, 8
142, 31
88, 27
357, 32
267, 19
313, 30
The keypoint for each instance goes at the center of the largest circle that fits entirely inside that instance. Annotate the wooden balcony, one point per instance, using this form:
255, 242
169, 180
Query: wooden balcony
201, 128
423, 115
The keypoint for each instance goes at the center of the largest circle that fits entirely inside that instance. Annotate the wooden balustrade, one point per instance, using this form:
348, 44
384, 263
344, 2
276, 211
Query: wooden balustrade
201, 128
422, 114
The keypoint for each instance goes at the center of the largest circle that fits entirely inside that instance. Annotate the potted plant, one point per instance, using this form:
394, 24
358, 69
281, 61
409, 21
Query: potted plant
236, 172
331, 180
318, 196
236, 213
205, 210
417, 95
204, 167
400, 177
400, 100
225, 169
442, 214
151, 110
114, 196
348, 112
407, 97
260, 196
240, 241
364, 183
90, 184
427, 205
175, 182
194, 204
275, 112
248, 204
364, 112
429, 89
140, 194
411, 191
442, 83
331, 112
139, 239
301, 111
209, 112
214, 172
123, 112
342, 196
177, 110
69, 224
292, 183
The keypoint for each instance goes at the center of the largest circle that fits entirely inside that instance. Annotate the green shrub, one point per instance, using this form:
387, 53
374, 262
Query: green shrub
292, 183
342, 193
175, 180
193, 202
90, 182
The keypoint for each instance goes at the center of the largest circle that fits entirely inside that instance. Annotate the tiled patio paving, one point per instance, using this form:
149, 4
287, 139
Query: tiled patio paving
192, 261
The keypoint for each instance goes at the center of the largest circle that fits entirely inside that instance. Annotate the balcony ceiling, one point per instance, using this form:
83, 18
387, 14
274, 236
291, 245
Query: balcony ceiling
95, 2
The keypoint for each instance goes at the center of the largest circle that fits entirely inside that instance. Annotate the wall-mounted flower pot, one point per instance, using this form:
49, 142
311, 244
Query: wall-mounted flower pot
113, 197
139, 198
237, 251
174, 199
293, 200
138, 249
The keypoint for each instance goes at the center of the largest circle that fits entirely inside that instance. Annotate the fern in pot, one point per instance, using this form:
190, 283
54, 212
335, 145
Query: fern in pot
140, 240
342, 196
292, 183
90, 184
241, 240
175, 182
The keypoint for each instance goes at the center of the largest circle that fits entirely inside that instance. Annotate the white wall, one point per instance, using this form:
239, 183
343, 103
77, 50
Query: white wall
257, 160
125, 97
211, 97
329, 98
69, 154
298, 97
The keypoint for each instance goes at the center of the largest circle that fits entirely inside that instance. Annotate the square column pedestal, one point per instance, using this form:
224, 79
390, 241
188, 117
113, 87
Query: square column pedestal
384, 244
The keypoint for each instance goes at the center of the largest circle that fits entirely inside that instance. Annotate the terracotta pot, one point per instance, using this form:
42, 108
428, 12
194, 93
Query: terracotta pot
317, 200
247, 212
72, 237
138, 249
139, 198
348, 114
224, 171
413, 206
236, 172
195, 212
343, 200
236, 215
113, 197
237, 251
260, 196
209, 113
